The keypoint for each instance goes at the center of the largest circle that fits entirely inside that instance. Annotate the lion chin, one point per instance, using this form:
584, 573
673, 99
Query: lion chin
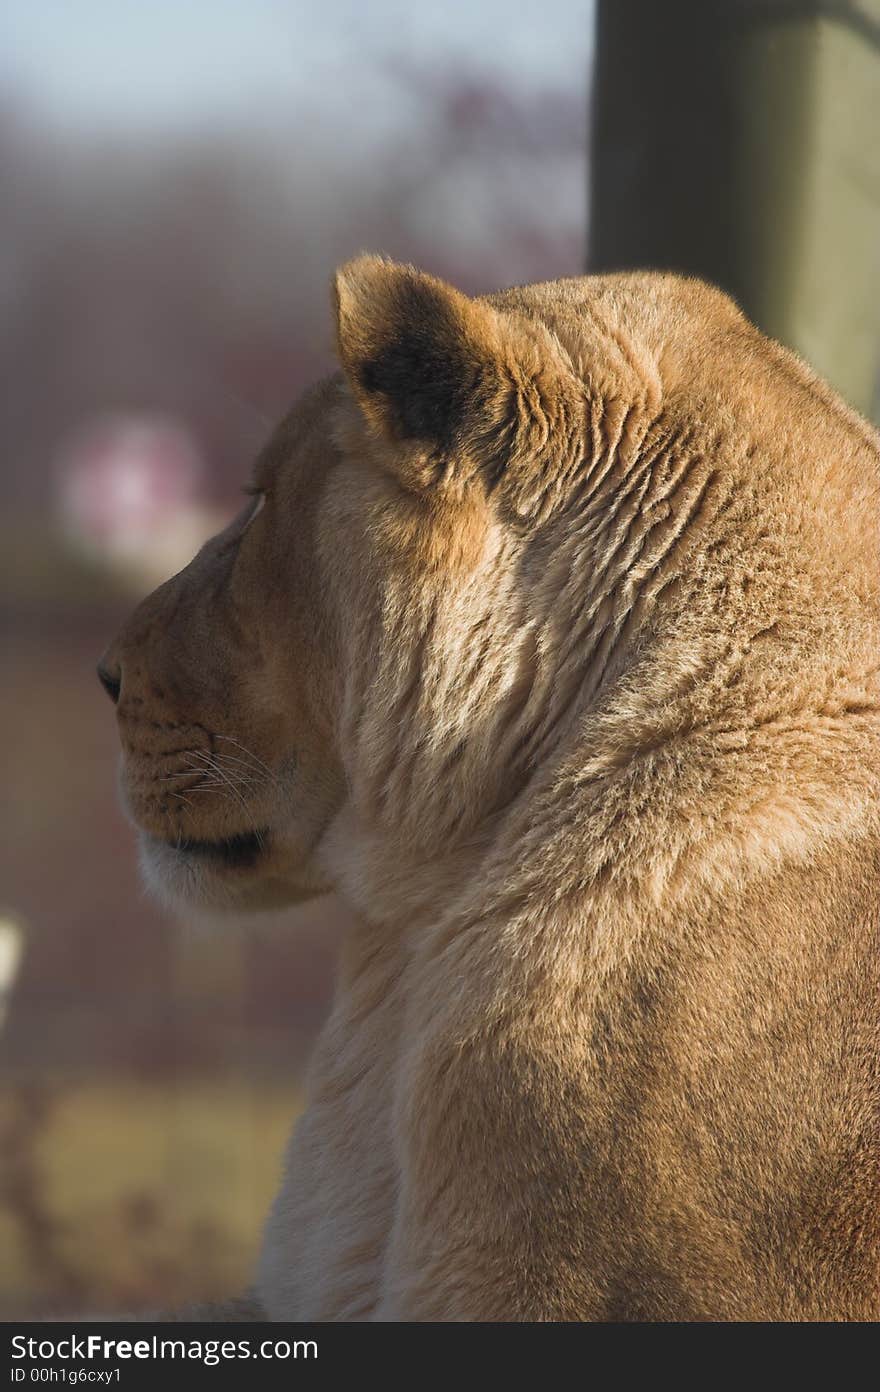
548, 639
234, 876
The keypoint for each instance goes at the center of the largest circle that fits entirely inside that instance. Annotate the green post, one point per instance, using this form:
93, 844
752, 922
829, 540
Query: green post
739, 140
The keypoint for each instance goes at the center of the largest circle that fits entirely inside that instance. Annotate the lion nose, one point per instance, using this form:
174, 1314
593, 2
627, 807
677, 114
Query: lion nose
111, 680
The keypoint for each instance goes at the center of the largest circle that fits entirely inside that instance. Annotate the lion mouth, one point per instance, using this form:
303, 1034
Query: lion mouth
234, 852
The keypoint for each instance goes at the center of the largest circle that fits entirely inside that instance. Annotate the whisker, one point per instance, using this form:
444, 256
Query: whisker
213, 764
201, 769
249, 752
232, 759
210, 766
227, 775
232, 788
203, 788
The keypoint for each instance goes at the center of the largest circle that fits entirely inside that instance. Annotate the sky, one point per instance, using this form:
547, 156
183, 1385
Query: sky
145, 64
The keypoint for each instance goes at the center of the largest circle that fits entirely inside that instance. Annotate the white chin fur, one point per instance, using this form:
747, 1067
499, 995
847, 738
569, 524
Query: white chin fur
180, 883
186, 887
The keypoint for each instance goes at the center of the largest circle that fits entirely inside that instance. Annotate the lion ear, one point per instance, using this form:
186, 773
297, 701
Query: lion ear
461, 387
414, 349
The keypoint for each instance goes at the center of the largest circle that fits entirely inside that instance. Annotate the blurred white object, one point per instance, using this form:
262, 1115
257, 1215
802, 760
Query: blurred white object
11, 953
128, 492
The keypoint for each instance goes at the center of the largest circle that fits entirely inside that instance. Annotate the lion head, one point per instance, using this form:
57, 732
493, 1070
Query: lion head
449, 549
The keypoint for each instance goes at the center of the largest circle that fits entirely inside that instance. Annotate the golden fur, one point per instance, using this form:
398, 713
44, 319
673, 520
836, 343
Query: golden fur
554, 650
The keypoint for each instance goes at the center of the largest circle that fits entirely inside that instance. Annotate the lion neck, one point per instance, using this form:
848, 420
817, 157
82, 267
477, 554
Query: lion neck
464, 695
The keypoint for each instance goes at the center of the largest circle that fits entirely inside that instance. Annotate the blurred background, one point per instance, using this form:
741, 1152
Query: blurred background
177, 183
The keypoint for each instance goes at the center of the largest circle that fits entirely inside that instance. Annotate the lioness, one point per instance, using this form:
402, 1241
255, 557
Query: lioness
550, 641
